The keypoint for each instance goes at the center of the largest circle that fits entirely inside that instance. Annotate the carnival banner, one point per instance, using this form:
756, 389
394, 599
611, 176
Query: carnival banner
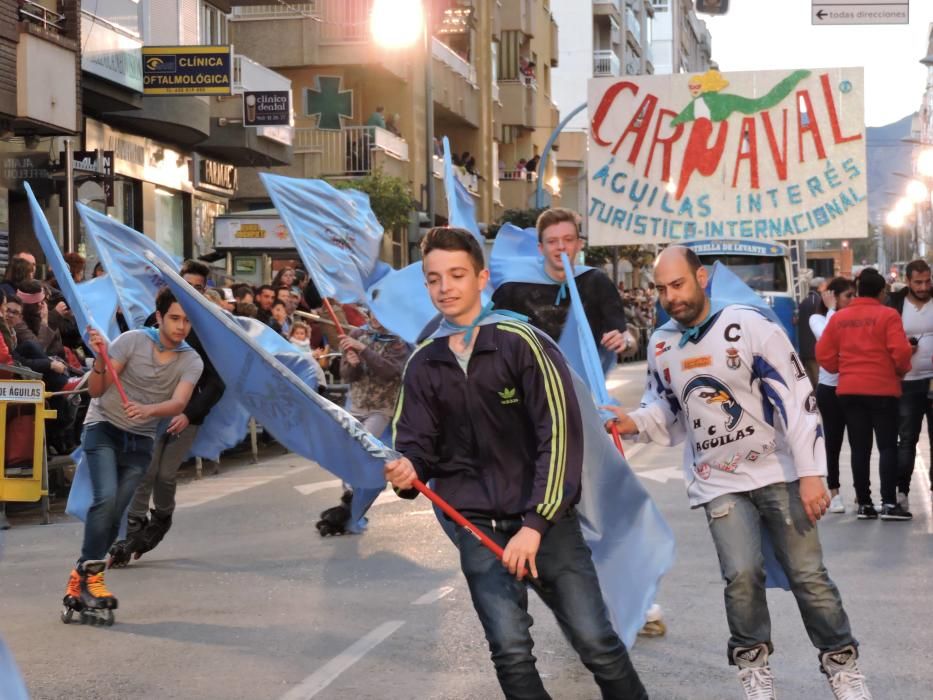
766, 155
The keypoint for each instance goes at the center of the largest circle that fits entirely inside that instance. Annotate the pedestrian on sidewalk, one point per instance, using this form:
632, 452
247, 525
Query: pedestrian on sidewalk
145, 527
805, 340
865, 343
158, 371
837, 295
488, 412
727, 380
916, 311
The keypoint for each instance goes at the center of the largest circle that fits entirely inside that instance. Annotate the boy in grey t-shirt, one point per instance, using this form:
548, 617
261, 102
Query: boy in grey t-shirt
158, 371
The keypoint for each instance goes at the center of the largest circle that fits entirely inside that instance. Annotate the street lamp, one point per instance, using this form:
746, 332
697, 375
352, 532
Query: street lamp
925, 162
396, 24
917, 192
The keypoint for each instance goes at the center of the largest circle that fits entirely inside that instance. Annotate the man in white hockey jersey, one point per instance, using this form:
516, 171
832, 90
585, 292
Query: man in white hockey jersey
726, 380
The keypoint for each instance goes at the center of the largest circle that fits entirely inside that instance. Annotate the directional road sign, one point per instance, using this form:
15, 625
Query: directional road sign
849, 12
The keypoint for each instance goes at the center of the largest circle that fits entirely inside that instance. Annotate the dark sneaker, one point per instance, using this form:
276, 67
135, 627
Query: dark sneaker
895, 512
867, 512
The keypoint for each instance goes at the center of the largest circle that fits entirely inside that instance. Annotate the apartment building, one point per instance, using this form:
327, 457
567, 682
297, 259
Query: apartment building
490, 82
39, 101
681, 42
612, 38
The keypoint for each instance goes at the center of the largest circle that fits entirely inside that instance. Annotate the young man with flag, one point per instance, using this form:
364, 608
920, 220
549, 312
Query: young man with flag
158, 371
488, 411
545, 300
725, 379
145, 529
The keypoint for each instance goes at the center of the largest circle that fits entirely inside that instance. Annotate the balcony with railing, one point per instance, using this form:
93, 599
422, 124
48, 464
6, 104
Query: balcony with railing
42, 49
352, 151
516, 188
453, 60
633, 27
518, 102
606, 63
613, 8
269, 12
517, 16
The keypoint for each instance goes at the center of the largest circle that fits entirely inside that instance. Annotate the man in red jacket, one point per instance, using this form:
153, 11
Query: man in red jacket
866, 344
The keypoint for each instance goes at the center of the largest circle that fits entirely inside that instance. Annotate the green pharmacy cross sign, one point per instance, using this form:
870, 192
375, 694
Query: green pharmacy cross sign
328, 102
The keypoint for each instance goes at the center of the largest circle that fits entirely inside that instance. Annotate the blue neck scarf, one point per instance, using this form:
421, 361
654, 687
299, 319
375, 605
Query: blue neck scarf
154, 336
486, 316
688, 333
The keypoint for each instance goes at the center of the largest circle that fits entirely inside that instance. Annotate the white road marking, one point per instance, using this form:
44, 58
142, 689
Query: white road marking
662, 475
315, 486
206, 490
328, 673
434, 596
429, 511
924, 478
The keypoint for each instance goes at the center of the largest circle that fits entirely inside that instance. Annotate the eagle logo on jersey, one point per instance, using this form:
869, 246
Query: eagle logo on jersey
712, 391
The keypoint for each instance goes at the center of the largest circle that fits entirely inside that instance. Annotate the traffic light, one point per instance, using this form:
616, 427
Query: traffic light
712, 7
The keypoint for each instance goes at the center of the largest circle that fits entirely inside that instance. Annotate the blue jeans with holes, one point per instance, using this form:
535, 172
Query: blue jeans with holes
568, 586
735, 522
116, 462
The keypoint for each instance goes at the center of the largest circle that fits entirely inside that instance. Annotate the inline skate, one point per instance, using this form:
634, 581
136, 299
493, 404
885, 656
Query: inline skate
88, 596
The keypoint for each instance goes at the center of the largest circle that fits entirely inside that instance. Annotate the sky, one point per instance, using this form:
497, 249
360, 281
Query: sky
777, 34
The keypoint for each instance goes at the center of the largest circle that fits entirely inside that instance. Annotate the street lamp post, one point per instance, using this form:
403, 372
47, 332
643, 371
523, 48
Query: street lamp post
397, 24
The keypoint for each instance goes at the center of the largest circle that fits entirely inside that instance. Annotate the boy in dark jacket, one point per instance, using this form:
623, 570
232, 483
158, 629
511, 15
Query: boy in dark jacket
487, 410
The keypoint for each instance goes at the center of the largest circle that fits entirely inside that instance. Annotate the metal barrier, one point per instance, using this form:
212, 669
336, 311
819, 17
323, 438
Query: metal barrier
28, 481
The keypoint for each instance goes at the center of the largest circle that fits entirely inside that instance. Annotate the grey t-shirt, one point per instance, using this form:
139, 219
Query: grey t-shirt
144, 379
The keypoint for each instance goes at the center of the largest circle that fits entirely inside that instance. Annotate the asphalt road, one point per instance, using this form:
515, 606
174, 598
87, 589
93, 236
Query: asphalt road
244, 600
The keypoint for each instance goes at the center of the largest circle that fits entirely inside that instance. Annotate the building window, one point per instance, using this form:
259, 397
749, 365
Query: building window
661, 5
213, 26
125, 14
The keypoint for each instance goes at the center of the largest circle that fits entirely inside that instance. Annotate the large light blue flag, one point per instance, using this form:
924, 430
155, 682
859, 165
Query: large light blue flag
578, 345
99, 295
300, 419
401, 302
121, 250
84, 315
335, 231
461, 209
11, 683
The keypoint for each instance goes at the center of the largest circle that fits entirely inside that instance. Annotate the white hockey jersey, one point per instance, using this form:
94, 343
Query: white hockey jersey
739, 395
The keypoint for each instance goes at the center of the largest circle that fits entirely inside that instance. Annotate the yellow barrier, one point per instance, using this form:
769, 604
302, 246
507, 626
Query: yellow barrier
32, 484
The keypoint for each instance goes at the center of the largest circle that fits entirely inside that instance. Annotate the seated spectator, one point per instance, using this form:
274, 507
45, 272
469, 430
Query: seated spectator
284, 278
34, 324
18, 271
377, 118
229, 301
243, 294
278, 321
300, 337
393, 124
98, 270
246, 309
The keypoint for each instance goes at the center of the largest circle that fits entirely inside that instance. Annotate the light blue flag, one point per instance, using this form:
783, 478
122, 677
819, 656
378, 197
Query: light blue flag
121, 250
515, 258
136, 282
11, 683
401, 302
84, 315
461, 209
579, 347
300, 419
335, 232
99, 295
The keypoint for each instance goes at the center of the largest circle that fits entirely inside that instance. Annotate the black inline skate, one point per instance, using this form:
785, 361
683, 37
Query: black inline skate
88, 596
153, 533
122, 550
335, 521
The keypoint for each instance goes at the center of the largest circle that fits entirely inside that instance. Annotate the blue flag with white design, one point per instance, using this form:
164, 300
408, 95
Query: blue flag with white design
461, 209
335, 232
122, 250
300, 419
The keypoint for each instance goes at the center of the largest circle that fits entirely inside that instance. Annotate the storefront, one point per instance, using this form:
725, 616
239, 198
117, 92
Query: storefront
255, 244
215, 182
152, 189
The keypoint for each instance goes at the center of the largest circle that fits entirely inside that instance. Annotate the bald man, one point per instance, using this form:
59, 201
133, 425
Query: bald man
726, 380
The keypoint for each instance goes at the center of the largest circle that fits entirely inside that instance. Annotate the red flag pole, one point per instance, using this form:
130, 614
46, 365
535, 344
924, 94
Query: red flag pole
454, 515
102, 349
333, 317
616, 438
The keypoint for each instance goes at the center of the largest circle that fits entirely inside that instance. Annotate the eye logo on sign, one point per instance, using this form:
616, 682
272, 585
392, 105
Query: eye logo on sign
161, 64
